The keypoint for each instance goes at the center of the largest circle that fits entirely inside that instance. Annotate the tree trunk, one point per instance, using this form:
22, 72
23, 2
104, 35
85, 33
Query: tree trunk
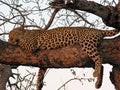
5, 73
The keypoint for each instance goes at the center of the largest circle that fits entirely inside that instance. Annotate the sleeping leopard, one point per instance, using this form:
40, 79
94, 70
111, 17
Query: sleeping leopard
88, 38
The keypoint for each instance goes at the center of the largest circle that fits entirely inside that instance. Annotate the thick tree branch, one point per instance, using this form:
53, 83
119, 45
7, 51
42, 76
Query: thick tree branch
92, 7
115, 77
71, 56
89, 6
109, 14
5, 73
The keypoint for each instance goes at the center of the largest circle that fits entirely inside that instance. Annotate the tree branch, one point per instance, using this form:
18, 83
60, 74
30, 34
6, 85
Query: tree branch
51, 19
5, 73
109, 14
16, 10
89, 6
82, 17
71, 56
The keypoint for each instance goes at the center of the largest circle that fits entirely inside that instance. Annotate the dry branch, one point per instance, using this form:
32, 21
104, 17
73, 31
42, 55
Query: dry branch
51, 19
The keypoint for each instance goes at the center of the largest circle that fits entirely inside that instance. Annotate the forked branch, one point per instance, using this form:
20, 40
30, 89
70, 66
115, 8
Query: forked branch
51, 19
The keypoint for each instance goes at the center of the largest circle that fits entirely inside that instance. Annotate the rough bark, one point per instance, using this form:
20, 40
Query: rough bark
115, 77
71, 56
5, 72
109, 14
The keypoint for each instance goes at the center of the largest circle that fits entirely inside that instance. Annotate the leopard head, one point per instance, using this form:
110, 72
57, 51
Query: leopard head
15, 35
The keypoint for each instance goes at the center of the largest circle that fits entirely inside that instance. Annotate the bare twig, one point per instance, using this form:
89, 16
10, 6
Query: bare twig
68, 82
81, 16
51, 19
8, 19
4, 33
15, 9
44, 8
33, 26
76, 78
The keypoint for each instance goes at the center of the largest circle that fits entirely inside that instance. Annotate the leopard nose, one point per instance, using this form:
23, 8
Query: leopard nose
10, 40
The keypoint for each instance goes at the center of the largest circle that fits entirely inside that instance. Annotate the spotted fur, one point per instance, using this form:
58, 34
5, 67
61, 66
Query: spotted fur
88, 38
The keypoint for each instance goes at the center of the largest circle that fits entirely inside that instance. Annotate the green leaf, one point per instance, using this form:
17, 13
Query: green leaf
73, 72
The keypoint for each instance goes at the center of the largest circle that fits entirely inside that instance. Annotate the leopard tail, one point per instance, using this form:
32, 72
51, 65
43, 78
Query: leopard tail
110, 32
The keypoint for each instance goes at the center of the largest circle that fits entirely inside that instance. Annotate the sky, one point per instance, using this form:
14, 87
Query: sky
55, 78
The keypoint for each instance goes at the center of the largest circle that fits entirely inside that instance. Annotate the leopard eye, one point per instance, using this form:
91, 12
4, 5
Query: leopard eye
16, 41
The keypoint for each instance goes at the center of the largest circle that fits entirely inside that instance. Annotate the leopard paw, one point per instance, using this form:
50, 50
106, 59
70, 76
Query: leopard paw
99, 79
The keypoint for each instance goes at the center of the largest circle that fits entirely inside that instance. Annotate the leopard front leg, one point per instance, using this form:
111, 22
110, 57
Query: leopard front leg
40, 78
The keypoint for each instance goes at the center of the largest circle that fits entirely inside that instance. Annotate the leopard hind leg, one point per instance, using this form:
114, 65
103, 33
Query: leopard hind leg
99, 79
98, 67
93, 53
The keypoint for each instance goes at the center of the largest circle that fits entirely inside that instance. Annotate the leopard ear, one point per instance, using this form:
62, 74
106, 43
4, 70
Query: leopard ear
22, 27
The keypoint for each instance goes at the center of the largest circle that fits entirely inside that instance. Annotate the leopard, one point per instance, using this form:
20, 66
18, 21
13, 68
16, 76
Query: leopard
88, 38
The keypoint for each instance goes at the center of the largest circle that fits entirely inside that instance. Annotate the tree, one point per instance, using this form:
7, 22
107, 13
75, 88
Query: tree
18, 14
